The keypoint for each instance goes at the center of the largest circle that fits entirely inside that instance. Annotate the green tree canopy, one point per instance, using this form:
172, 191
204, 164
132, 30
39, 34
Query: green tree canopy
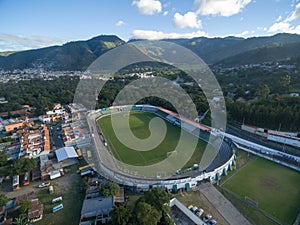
120, 215
29, 164
158, 198
110, 188
23, 165
3, 158
263, 91
166, 220
147, 214
22, 220
24, 205
284, 82
3, 200
17, 167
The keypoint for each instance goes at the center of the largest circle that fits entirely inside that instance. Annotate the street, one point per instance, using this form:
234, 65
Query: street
56, 136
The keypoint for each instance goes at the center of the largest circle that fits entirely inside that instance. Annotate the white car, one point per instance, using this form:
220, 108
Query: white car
44, 184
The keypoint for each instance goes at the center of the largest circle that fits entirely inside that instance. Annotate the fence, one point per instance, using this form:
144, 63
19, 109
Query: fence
251, 203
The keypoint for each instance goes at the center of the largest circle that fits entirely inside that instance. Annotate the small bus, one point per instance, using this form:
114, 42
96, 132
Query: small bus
85, 167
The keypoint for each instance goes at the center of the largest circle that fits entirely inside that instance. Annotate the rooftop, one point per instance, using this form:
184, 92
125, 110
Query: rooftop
92, 207
65, 153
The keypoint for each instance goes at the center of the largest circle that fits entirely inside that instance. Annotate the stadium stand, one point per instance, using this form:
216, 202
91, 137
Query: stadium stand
224, 154
188, 127
215, 165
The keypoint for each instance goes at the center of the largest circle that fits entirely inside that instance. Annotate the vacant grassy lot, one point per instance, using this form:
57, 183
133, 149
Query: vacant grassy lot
139, 123
275, 188
69, 188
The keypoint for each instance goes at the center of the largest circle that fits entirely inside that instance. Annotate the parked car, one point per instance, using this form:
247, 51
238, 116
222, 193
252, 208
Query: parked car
194, 209
190, 207
199, 212
207, 217
212, 222
44, 184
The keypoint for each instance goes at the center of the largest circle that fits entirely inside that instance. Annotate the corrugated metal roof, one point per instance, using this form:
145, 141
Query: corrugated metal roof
65, 153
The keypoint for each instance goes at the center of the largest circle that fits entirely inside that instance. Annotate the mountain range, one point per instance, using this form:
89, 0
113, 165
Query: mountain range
228, 51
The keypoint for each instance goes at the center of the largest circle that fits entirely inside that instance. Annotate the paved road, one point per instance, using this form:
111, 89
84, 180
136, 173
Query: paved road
56, 137
23, 190
224, 207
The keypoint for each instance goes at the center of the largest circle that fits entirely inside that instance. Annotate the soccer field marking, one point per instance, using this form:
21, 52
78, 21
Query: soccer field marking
274, 187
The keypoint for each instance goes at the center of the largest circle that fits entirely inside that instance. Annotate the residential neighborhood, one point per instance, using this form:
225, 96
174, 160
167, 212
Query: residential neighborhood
38, 149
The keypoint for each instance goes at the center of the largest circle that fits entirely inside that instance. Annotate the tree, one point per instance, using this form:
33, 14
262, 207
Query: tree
284, 82
3, 158
263, 91
3, 200
24, 205
23, 165
110, 188
166, 220
158, 198
17, 167
29, 164
147, 214
120, 215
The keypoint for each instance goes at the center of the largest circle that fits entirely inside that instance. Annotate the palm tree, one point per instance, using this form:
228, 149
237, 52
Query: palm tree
22, 220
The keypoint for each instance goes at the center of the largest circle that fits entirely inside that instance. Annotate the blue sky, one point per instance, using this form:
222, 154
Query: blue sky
35, 23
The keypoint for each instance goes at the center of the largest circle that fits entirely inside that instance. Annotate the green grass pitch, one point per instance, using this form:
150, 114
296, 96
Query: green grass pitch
274, 187
139, 125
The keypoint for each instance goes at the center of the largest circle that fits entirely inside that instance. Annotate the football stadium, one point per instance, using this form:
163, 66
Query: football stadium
209, 159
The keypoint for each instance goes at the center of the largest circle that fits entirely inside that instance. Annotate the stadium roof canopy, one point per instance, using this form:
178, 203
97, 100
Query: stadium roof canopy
65, 153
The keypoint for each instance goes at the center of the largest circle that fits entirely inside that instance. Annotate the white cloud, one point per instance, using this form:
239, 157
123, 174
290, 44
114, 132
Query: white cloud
295, 14
158, 35
120, 23
148, 7
165, 13
279, 18
245, 33
284, 27
187, 20
220, 7
15, 42
279, 27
